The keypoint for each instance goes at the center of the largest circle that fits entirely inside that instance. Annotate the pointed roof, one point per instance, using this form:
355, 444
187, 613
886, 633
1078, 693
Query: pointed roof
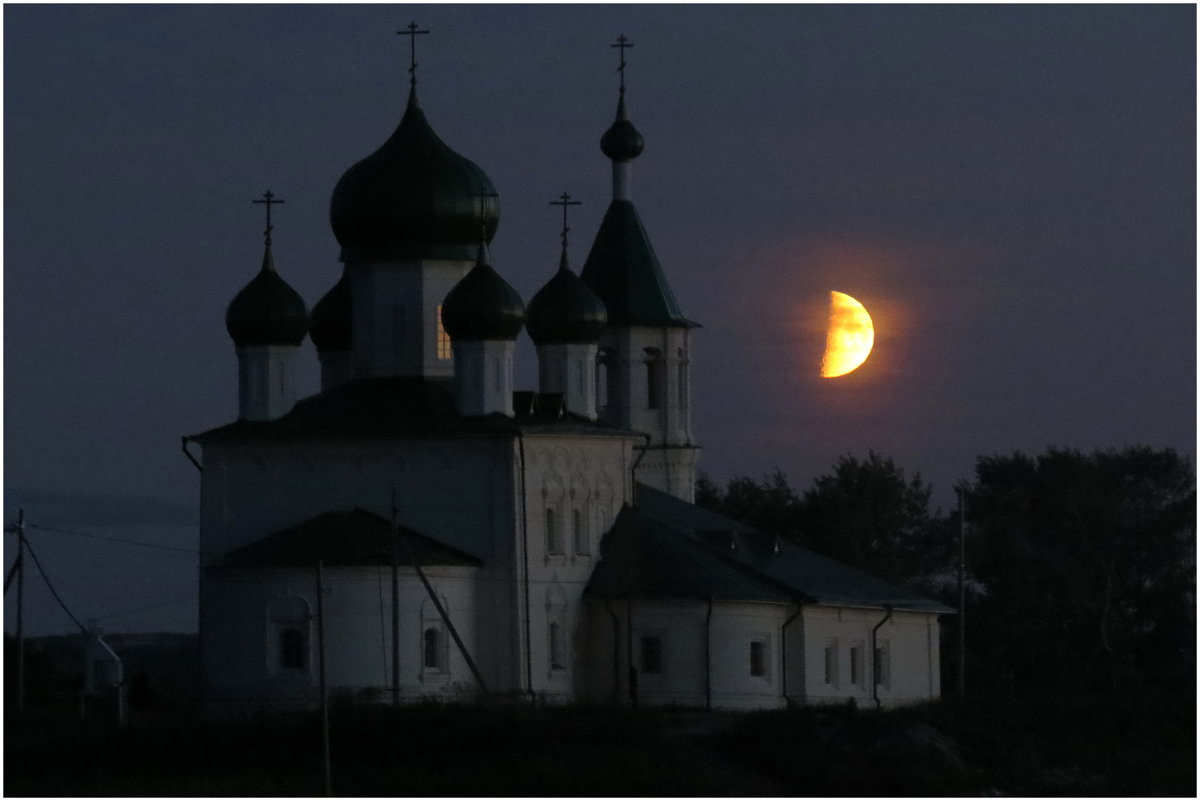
345, 539
623, 270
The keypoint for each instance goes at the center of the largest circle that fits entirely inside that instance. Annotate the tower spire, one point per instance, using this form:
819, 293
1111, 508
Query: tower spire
564, 200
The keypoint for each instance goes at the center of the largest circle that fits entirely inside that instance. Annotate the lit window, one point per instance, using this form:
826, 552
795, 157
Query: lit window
652, 655
443, 339
581, 533
553, 545
291, 649
758, 658
558, 660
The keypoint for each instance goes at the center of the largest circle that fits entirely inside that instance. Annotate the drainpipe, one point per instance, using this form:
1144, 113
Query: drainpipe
708, 656
874, 661
525, 556
783, 653
616, 653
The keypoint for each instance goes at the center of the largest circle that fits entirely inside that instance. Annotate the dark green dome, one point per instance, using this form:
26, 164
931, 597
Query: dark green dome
622, 142
482, 305
413, 198
566, 310
267, 311
330, 329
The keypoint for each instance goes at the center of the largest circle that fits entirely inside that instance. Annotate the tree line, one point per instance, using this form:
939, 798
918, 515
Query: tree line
1079, 572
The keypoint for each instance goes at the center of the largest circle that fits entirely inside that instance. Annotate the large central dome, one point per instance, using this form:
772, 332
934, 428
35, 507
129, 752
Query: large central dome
413, 198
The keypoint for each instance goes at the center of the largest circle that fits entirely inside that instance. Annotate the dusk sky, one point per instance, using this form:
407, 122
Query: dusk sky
1009, 191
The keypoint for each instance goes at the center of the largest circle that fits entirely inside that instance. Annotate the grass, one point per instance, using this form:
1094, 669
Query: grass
1049, 746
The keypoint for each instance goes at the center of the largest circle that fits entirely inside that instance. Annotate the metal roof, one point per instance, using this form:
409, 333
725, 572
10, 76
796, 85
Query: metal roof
694, 553
407, 407
623, 270
351, 538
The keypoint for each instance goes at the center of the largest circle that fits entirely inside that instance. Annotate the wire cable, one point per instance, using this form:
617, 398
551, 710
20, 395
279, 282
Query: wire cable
53, 591
115, 539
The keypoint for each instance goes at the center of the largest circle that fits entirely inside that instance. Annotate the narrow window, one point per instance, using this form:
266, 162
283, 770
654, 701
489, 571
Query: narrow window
652, 655
432, 650
581, 533
831, 663
653, 384
855, 665
499, 374
443, 339
758, 658
553, 545
558, 659
291, 649
882, 665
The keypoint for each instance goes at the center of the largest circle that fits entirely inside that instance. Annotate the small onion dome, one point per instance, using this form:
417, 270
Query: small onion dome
330, 328
566, 310
267, 311
482, 305
622, 142
413, 198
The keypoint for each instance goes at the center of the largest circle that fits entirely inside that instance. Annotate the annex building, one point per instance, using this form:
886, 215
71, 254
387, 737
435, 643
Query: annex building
473, 537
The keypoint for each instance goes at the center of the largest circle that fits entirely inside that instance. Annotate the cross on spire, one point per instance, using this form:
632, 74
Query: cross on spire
623, 44
412, 33
564, 200
269, 200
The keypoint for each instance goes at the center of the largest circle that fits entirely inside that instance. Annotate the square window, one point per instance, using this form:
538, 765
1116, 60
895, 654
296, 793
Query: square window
651, 655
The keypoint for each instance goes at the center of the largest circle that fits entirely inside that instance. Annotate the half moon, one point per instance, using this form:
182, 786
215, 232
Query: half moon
850, 336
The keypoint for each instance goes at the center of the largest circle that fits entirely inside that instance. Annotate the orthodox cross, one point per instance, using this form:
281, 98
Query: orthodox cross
412, 33
564, 200
269, 200
623, 44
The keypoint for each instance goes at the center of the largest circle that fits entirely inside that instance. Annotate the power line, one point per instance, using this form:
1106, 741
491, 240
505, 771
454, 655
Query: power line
53, 591
129, 542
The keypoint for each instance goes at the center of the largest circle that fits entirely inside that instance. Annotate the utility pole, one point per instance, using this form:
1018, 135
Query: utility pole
962, 594
20, 528
395, 601
321, 678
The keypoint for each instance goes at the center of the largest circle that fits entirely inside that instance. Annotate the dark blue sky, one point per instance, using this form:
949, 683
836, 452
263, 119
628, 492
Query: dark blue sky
1009, 190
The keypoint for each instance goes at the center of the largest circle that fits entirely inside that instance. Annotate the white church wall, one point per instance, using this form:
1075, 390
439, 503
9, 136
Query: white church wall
747, 671
574, 487
249, 617
839, 664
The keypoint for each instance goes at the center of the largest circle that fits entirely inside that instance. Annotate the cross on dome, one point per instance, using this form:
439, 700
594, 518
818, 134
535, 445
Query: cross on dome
412, 32
269, 200
623, 44
564, 200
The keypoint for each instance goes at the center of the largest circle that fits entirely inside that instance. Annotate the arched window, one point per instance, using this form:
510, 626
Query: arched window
291, 649
579, 529
432, 649
553, 541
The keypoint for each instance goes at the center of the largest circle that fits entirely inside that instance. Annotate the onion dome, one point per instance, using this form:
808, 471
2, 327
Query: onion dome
482, 305
566, 310
622, 142
413, 198
267, 311
330, 329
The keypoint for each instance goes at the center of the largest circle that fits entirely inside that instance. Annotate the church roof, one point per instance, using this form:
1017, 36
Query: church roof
624, 272
669, 538
267, 311
483, 306
407, 407
342, 539
413, 198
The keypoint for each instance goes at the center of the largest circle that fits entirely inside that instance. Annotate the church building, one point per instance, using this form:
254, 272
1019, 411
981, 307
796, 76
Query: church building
421, 528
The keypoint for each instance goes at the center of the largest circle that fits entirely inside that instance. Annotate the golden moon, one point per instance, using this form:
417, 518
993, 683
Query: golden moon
850, 337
